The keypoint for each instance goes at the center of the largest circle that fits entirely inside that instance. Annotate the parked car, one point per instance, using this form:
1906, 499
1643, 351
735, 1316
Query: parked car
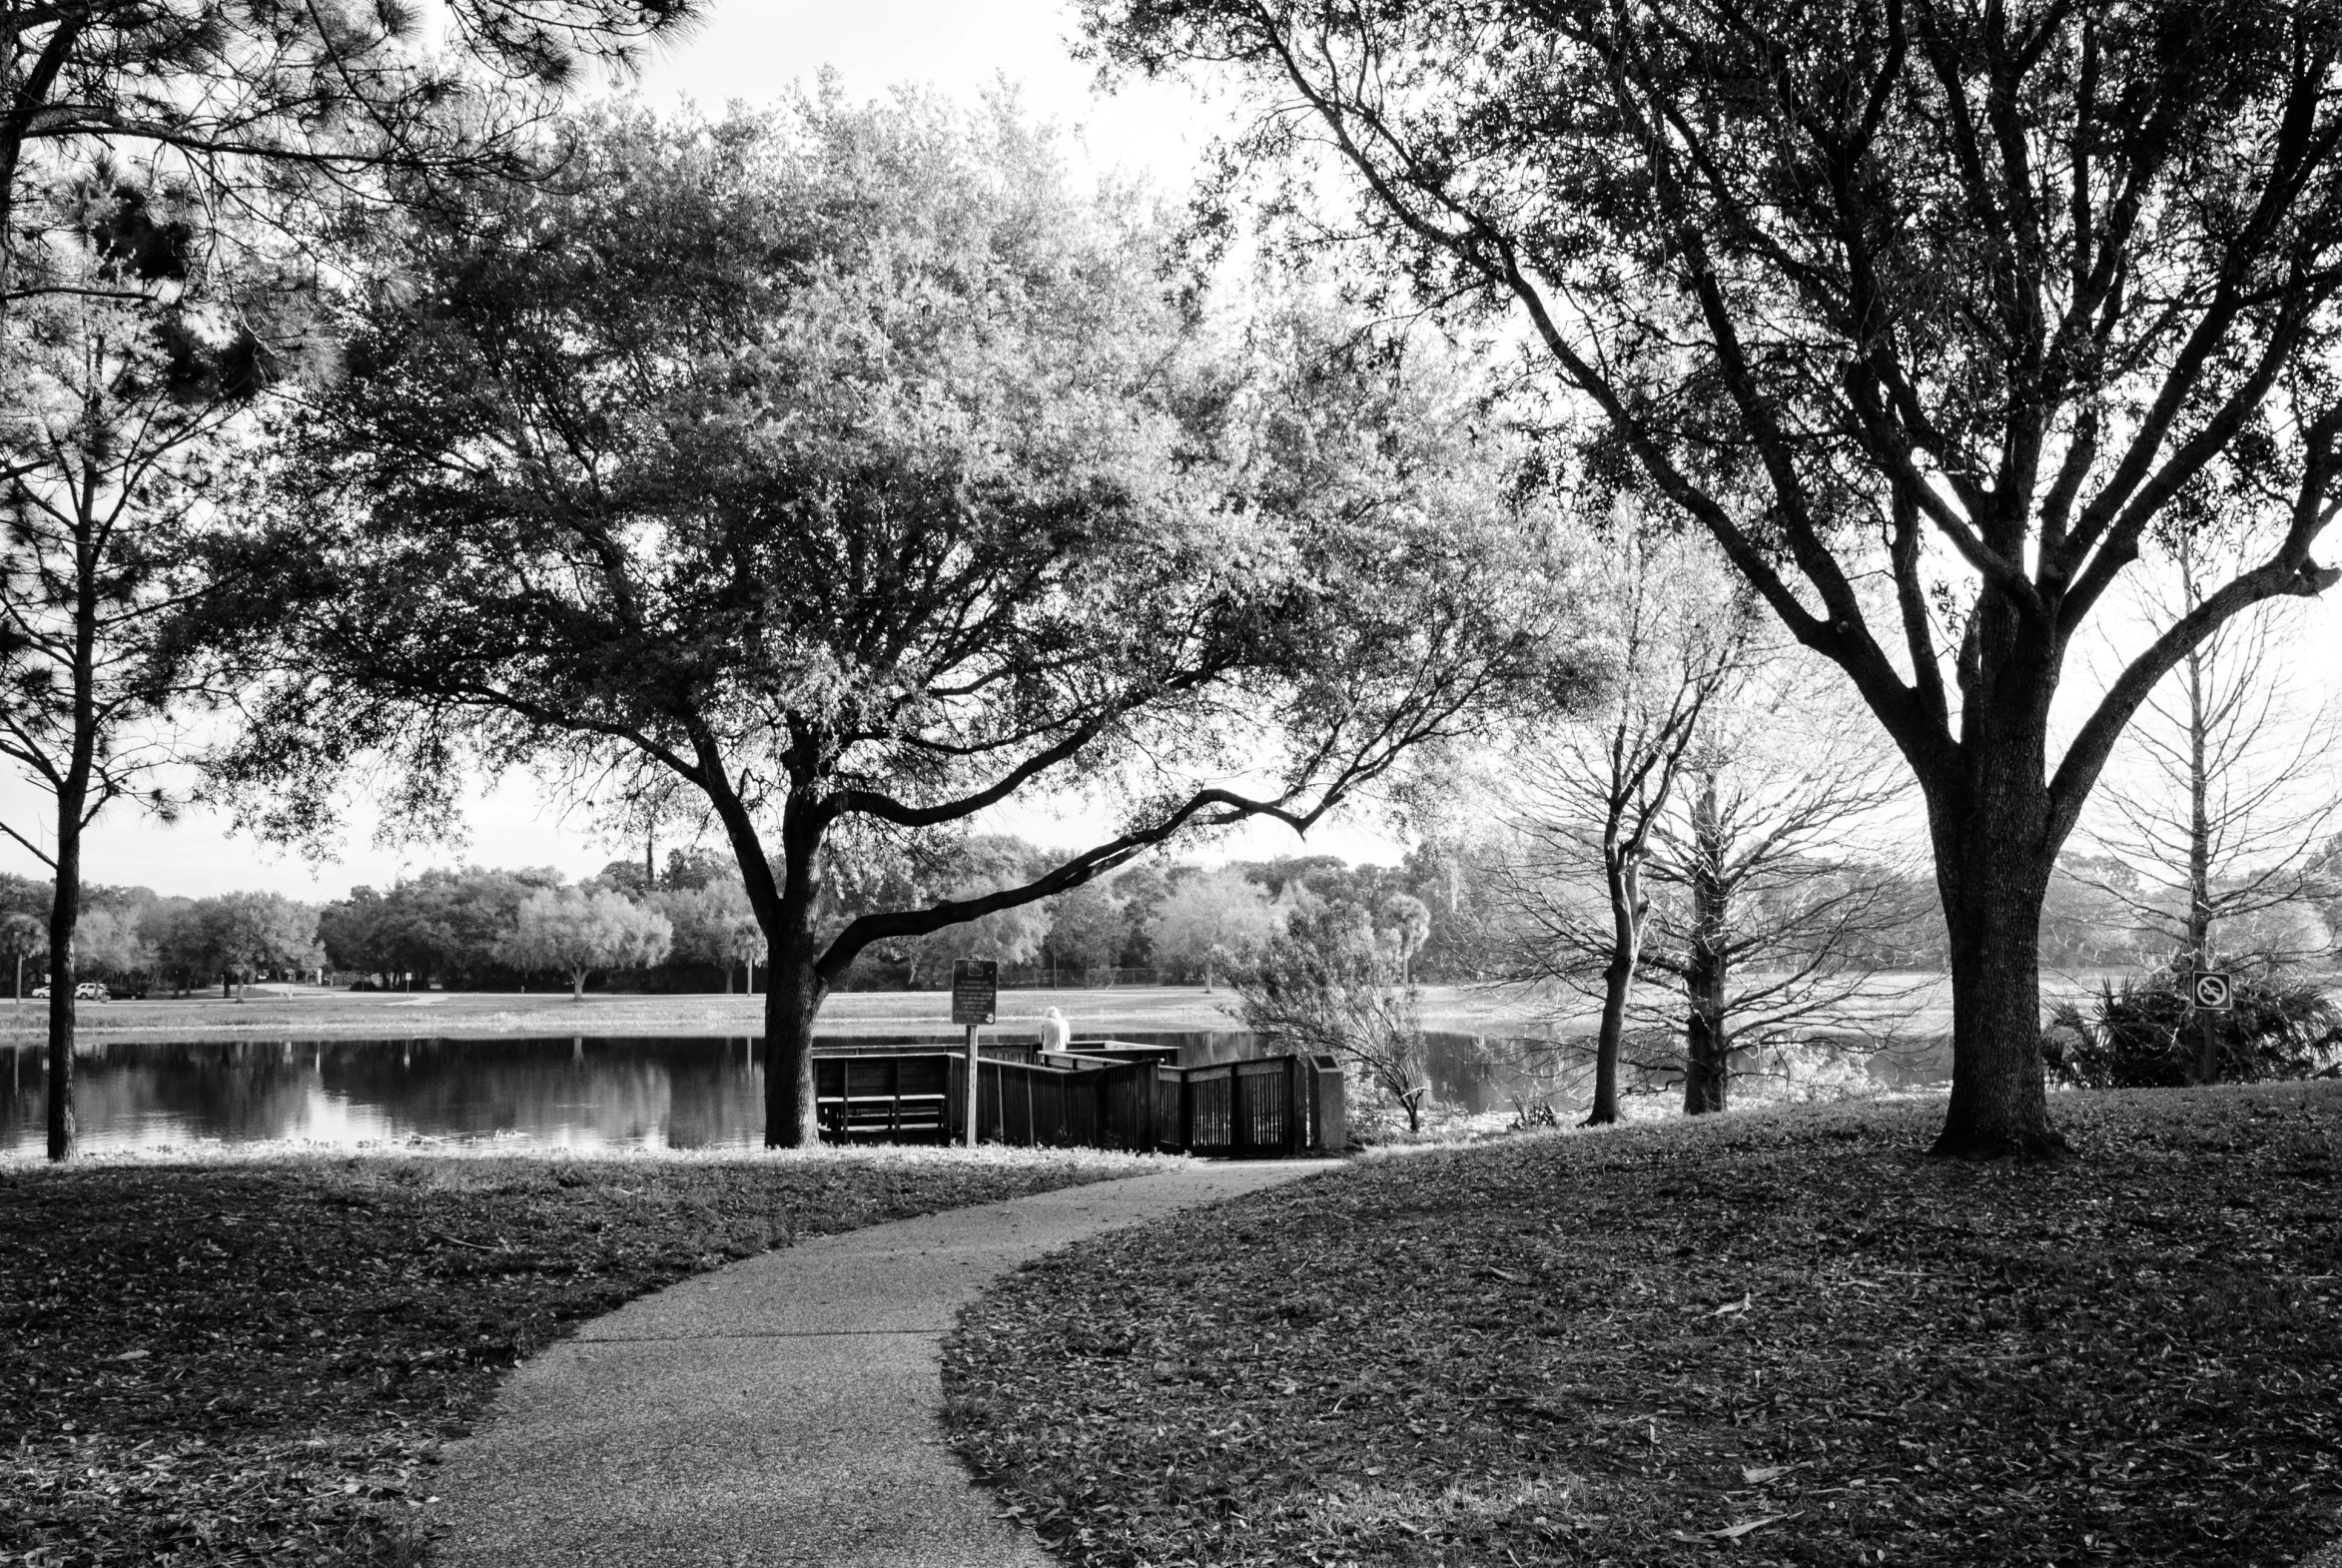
40, 993
92, 991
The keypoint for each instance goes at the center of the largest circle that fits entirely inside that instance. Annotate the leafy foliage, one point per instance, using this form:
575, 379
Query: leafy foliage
713, 924
1324, 985
2144, 1035
575, 931
1211, 924
440, 924
258, 106
1779, 1332
1087, 927
846, 469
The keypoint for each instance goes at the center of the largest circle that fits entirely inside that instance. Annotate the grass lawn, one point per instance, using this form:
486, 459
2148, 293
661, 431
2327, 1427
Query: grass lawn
253, 1361
1921, 1004
1778, 1337
282, 1011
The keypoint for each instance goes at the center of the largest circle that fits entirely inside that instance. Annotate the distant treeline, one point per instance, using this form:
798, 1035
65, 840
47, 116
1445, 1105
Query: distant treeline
135, 939
1169, 924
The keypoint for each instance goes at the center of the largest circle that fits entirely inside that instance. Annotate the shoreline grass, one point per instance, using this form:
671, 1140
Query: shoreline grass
297, 1010
1782, 1337
252, 1359
279, 1012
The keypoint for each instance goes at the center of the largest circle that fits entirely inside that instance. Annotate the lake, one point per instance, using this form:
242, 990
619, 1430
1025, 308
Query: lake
585, 1093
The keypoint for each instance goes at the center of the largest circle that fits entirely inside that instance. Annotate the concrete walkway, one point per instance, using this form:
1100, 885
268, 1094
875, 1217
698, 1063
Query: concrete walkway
782, 1409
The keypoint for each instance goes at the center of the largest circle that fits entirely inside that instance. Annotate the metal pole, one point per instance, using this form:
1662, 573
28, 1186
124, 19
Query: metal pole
972, 1086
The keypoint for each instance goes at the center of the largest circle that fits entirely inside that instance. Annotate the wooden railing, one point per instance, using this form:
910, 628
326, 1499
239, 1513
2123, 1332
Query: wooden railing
894, 1096
1033, 1105
1242, 1110
1277, 1106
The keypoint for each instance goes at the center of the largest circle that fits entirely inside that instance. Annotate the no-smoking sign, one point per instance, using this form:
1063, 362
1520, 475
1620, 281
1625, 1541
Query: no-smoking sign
2209, 990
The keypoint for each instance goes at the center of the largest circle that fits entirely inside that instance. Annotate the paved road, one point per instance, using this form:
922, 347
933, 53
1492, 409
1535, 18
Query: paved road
783, 1409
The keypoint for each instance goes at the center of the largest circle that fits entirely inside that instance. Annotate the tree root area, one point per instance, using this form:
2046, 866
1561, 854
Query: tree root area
1784, 1337
254, 1362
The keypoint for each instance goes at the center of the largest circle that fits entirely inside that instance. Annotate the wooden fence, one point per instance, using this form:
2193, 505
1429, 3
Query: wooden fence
1087, 1099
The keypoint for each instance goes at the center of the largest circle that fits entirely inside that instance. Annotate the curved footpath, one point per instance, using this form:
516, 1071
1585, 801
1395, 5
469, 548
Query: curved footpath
781, 1410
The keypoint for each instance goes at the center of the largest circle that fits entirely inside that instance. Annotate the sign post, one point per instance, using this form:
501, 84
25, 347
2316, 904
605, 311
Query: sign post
976, 995
2210, 990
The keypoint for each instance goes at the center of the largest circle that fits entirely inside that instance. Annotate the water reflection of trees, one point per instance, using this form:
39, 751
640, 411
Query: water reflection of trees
160, 1094
679, 1092
662, 1092
682, 1093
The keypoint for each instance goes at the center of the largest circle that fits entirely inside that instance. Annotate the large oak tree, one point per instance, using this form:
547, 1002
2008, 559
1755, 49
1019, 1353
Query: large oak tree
847, 467
1974, 295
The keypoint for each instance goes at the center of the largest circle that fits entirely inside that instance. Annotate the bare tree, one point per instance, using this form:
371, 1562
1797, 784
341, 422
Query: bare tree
1769, 906
1772, 896
1593, 800
2223, 793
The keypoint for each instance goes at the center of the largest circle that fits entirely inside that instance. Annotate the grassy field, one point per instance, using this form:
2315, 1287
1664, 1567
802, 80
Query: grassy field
1922, 1001
278, 1012
1770, 1339
253, 1361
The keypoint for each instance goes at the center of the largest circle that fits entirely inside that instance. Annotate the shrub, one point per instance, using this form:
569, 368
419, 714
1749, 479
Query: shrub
1321, 985
2144, 1035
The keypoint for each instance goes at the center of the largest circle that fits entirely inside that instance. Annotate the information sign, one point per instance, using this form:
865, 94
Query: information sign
975, 990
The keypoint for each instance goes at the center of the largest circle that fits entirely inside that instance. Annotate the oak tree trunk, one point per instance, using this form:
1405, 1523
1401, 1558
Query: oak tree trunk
794, 988
793, 996
1992, 875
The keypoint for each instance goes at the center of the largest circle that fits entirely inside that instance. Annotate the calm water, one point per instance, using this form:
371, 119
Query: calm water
587, 1093
624, 1092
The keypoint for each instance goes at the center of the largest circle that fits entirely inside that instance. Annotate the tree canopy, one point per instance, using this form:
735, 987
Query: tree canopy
248, 103
847, 467
1935, 316
575, 931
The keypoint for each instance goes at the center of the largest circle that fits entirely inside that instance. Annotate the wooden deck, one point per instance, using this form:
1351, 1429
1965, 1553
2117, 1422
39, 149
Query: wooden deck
1097, 1094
